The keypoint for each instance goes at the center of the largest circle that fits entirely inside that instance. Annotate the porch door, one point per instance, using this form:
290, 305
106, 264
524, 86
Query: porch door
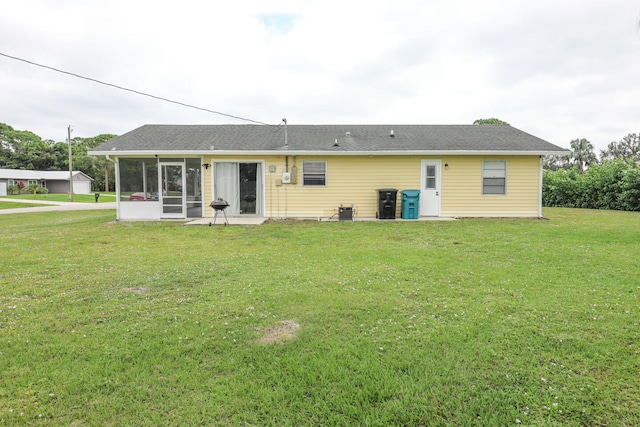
240, 185
430, 188
171, 196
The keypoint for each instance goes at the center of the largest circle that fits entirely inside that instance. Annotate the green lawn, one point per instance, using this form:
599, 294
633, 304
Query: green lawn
484, 322
14, 205
84, 198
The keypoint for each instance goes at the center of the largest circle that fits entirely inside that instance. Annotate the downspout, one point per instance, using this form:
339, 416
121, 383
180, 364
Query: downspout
117, 174
540, 190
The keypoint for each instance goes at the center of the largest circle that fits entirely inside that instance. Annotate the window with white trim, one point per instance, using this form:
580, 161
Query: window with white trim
314, 173
494, 177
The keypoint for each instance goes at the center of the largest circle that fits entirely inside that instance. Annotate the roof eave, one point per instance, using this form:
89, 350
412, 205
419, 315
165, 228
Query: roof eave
196, 153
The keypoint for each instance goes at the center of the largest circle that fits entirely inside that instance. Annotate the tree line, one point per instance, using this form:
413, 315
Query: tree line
21, 149
583, 179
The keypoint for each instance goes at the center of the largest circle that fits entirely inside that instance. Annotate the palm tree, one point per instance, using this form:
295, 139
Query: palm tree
582, 153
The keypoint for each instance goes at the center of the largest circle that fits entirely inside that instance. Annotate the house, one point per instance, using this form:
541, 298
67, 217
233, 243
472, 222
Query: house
311, 171
54, 181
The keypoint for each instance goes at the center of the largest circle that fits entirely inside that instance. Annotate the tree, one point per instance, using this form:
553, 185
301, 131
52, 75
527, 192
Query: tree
627, 148
554, 163
492, 121
26, 150
21, 149
582, 153
99, 167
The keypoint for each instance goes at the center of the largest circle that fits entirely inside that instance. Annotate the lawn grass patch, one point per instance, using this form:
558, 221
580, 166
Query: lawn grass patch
472, 322
15, 205
77, 198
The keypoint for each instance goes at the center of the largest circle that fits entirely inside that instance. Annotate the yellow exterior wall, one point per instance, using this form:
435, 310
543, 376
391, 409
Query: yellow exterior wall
462, 188
353, 180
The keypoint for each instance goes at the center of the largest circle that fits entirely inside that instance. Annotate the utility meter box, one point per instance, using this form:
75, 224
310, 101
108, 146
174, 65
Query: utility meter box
286, 177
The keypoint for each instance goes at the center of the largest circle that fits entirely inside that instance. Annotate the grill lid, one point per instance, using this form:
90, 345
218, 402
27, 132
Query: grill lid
219, 204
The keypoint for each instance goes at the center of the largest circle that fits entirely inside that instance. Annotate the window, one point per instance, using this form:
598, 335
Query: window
138, 179
431, 177
32, 182
494, 177
314, 173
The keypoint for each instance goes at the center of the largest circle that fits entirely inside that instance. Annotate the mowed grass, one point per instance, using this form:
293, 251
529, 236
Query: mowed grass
15, 205
474, 322
54, 197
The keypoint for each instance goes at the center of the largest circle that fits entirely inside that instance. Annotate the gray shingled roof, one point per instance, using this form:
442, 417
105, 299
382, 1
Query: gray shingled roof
193, 139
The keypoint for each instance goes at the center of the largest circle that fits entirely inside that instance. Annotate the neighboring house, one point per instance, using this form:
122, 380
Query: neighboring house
310, 171
54, 181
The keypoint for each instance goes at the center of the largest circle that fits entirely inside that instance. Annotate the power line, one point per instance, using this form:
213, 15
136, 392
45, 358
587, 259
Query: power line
132, 90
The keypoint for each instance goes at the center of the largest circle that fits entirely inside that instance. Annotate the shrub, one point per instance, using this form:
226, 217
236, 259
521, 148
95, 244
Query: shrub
13, 189
611, 185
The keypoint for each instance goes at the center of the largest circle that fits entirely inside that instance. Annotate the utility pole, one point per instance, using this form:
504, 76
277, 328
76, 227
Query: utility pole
70, 165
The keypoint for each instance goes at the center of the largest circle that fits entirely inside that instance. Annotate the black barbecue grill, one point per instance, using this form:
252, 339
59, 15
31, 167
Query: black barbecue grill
219, 205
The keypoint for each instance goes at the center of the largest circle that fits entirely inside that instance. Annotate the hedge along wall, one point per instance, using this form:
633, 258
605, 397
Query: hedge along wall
612, 185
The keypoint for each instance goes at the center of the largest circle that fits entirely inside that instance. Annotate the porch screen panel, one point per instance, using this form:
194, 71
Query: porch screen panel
139, 177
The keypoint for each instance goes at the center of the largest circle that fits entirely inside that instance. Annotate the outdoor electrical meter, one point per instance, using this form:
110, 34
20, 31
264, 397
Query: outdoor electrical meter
286, 177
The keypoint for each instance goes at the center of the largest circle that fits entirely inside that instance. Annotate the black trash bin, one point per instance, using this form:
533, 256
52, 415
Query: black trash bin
387, 203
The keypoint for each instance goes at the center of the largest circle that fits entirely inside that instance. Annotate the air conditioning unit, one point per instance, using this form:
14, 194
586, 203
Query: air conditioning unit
345, 213
286, 178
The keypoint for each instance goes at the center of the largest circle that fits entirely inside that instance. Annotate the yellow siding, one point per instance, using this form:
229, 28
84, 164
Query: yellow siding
462, 188
207, 189
353, 180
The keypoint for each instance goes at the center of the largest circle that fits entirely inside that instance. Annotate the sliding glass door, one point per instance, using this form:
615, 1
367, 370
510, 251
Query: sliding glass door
240, 185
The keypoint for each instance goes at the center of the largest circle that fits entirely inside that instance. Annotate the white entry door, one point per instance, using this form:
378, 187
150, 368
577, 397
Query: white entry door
430, 188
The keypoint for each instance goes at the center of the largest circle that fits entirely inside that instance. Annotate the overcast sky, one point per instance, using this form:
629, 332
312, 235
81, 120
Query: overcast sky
559, 69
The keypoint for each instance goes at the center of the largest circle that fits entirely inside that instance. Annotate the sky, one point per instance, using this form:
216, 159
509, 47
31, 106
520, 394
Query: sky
559, 70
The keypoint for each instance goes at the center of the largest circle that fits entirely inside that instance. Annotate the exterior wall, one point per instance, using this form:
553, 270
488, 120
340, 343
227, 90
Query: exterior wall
349, 181
354, 180
139, 210
207, 188
462, 188
80, 186
58, 187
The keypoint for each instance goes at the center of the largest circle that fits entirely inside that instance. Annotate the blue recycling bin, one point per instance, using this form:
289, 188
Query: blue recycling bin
410, 204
